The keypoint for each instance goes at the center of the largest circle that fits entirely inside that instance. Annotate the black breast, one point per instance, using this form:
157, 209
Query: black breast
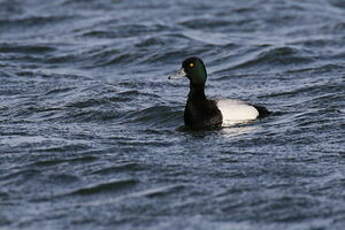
202, 114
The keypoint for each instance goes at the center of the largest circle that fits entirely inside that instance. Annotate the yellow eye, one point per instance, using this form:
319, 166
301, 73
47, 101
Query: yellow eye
191, 65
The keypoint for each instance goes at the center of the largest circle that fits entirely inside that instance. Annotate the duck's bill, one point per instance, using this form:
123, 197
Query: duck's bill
179, 74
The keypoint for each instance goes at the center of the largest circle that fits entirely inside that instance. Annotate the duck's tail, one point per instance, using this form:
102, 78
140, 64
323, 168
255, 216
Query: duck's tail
263, 112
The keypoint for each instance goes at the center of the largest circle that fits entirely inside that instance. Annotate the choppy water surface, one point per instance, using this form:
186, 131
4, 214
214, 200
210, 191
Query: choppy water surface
88, 118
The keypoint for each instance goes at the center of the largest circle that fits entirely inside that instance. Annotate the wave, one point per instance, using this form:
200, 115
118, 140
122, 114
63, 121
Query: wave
26, 48
156, 116
101, 187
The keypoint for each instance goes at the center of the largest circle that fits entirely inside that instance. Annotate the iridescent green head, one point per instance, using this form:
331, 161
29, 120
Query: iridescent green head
194, 69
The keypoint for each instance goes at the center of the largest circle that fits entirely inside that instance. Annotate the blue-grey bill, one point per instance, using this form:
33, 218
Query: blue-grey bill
179, 74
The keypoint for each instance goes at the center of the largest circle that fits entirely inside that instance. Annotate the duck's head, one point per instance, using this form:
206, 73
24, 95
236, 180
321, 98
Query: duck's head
194, 69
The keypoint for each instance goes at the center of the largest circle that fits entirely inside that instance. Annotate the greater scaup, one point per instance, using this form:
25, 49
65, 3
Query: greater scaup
202, 113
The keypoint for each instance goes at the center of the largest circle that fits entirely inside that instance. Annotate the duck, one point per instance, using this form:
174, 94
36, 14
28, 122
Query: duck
203, 113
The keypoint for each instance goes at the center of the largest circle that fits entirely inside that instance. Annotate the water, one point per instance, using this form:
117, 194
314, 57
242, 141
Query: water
89, 122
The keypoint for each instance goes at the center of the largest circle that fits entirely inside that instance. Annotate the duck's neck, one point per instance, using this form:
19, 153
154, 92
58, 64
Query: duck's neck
197, 92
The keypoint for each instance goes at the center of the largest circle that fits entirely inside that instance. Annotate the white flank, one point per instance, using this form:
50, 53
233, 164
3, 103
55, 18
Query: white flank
236, 111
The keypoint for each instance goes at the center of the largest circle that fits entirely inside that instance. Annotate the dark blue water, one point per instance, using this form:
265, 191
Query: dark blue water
89, 122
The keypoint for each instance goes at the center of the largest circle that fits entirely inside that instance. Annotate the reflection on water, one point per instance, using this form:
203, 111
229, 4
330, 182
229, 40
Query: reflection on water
236, 130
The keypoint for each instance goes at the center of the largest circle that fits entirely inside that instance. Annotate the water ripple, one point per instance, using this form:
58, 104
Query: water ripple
91, 129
